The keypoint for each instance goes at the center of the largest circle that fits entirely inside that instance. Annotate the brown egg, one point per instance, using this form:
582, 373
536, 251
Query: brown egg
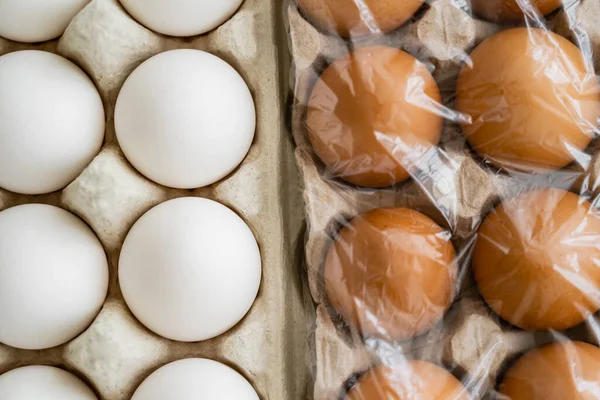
372, 114
510, 10
352, 18
558, 371
410, 380
537, 260
390, 273
532, 104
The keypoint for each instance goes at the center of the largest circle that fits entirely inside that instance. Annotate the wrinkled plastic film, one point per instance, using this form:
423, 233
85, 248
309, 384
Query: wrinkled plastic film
448, 151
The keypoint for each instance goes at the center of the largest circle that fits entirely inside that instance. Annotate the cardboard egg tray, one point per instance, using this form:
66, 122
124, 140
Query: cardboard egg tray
454, 187
117, 352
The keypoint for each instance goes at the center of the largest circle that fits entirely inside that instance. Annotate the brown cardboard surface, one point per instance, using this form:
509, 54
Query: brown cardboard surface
116, 352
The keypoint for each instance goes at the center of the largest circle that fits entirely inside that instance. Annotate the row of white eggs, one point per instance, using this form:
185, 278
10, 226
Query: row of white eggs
194, 378
173, 115
33, 21
177, 272
173, 120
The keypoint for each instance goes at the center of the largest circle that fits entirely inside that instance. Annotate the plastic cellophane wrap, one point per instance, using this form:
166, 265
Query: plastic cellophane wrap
449, 158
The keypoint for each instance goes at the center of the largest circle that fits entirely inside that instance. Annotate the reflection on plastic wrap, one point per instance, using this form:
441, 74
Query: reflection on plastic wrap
513, 10
533, 103
561, 370
536, 260
371, 142
391, 274
450, 161
408, 380
352, 18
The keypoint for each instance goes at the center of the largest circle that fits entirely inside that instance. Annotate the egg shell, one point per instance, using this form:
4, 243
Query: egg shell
33, 21
185, 118
513, 10
532, 101
535, 260
352, 18
181, 17
408, 380
43, 382
52, 121
190, 269
558, 371
53, 276
372, 115
390, 273
195, 378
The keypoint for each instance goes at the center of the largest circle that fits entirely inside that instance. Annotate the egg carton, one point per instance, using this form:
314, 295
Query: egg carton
117, 352
457, 190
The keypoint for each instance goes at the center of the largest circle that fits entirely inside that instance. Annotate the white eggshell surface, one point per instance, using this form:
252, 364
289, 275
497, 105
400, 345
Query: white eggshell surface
185, 118
40, 382
52, 122
190, 269
33, 21
181, 17
53, 276
195, 378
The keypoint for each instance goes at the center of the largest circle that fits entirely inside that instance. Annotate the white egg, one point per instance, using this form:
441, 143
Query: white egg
53, 276
52, 122
195, 378
185, 119
181, 17
33, 21
37, 382
190, 269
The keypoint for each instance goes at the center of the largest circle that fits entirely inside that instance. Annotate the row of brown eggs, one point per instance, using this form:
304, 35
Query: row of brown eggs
391, 272
558, 371
527, 101
356, 18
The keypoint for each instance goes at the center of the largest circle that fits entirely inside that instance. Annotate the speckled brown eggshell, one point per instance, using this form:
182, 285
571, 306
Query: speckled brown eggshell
533, 105
390, 273
352, 18
372, 115
410, 380
535, 260
558, 371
